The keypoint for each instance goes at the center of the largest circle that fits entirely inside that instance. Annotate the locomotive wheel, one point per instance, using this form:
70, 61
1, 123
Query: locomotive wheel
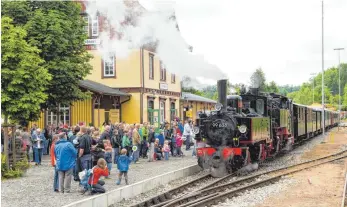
219, 171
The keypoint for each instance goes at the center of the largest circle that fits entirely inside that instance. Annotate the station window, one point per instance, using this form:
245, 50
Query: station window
151, 66
65, 114
86, 26
172, 111
162, 72
162, 111
173, 78
95, 26
109, 67
150, 105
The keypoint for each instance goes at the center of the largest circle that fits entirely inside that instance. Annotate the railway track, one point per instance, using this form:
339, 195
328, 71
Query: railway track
215, 195
182, 195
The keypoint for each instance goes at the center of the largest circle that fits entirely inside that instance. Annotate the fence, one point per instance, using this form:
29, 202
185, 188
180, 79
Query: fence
13, 146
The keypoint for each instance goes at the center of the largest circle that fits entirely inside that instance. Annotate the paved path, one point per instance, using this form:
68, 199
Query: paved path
36, 188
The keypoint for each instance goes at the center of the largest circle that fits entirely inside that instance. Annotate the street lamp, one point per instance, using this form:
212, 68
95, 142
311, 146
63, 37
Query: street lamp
338, 52
323, 117
312, 76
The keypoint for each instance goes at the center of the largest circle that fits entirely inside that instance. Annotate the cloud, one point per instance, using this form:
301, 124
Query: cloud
282, 37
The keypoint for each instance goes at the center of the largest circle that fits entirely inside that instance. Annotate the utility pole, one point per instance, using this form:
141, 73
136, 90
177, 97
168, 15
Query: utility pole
323, 112
338, 51
312, 76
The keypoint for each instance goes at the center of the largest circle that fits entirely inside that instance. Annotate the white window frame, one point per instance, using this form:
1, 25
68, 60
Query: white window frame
151, 66
162, 111
106, 63
173, 78
95, 26
50, 116
86, 19
64, 111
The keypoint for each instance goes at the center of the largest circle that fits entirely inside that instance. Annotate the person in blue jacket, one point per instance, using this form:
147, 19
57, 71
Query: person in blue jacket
123, 166
65, 155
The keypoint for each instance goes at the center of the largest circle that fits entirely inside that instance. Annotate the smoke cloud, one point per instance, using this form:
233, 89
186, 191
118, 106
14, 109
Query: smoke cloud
134, 27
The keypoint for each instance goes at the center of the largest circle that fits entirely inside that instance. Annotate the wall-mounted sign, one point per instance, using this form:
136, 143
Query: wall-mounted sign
189, 114
92, 42
163, 86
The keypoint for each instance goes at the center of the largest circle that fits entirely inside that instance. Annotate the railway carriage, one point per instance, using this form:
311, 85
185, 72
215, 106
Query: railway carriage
247, 129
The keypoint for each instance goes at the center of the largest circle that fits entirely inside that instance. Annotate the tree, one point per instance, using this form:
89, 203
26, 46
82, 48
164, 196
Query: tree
272, 87
258, 79
57, 30
24, 79
344, 95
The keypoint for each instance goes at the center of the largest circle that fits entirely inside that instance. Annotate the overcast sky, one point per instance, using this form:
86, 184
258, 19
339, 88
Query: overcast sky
281, 36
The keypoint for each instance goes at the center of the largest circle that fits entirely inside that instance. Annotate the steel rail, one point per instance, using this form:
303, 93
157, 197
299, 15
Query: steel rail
210, 188
235, 192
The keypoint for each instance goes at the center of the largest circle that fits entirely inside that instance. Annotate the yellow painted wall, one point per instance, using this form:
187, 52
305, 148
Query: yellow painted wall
154, 84
99, 112
40, 122
197, 106
131, 109
81, 111
127, 71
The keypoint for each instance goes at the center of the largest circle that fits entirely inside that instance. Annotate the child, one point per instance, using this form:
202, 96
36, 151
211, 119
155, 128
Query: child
108, 155
123, 166
99, 170
166, 149
179, 143
157, 150
126, 141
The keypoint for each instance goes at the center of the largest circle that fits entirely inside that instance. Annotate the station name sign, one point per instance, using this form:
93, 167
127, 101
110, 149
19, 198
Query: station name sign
163, 86
92, 42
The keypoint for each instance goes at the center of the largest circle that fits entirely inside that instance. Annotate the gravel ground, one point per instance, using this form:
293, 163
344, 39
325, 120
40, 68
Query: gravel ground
36, 187
161, 189
256, 196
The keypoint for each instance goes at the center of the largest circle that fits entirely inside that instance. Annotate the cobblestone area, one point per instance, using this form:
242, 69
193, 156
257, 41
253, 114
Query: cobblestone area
36, 188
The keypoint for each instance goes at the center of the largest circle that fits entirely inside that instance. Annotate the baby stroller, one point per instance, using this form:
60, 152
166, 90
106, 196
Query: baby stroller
85, 176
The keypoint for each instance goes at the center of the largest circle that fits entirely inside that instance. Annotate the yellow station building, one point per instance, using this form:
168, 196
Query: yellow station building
135, 89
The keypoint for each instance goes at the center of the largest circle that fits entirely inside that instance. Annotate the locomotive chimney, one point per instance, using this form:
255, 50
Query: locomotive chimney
222, 93
254, 91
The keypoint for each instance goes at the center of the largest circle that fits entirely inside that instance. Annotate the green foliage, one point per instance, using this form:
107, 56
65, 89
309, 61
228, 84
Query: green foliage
272, 87
17, 171
307, 95
285, 89
56, 29
24, 79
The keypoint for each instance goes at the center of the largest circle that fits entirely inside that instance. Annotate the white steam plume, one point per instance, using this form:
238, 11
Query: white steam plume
148, 27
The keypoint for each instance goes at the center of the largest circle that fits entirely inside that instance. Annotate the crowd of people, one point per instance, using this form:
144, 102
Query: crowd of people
74, 149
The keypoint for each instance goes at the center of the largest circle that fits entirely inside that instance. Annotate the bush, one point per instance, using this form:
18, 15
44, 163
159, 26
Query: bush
18, 169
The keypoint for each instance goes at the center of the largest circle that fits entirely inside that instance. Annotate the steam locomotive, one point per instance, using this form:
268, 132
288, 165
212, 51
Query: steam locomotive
246, 129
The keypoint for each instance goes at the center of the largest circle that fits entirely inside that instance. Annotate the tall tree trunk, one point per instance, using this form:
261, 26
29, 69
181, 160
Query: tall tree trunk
6, 141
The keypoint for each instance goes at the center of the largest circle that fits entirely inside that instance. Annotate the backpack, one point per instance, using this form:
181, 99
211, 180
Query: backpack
84, 176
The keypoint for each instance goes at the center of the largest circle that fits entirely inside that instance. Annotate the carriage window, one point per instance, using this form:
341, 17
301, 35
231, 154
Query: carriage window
260, 106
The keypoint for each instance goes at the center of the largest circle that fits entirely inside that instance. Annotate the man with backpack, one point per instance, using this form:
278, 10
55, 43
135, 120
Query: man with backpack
116, 141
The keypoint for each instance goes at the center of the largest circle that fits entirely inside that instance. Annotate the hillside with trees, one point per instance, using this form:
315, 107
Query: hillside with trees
310, 92
307, 94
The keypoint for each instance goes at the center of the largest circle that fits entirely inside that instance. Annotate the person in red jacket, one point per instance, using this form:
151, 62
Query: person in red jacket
54, 161
99, 170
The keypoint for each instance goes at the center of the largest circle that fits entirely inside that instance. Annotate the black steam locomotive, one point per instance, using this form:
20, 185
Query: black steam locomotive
247, 129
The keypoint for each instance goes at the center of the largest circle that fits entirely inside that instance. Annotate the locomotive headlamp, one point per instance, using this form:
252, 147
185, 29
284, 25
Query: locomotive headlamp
243, 128
196, 130
218, 106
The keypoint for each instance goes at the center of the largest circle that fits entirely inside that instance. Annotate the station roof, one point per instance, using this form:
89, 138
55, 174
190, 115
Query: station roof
192, 97
101, 89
